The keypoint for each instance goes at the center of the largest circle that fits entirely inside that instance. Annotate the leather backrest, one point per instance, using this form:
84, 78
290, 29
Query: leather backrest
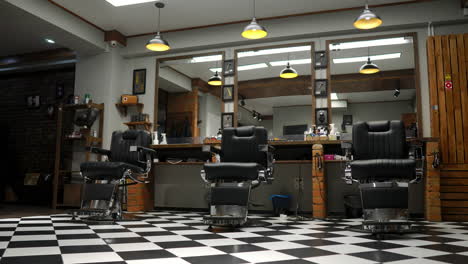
123, 140
379, 140
242, 144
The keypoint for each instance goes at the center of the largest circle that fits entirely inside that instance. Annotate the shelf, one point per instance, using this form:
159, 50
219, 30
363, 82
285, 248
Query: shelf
181, 163
123, 108
292, 162
83, 106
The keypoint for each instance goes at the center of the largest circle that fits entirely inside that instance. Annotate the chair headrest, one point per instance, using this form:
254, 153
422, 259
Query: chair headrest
246, 131
131, 134
378, 126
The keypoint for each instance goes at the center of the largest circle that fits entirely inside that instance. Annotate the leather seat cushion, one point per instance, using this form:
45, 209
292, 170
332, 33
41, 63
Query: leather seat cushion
231, 171
107, 170
381, 169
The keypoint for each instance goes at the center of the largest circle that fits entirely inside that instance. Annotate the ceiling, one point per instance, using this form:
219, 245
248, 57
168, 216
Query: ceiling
141, 18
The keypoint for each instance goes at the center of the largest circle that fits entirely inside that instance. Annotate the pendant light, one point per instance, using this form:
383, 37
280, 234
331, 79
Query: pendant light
254, 30
158, 43
369, 67
367, 19
288, 72
215, 80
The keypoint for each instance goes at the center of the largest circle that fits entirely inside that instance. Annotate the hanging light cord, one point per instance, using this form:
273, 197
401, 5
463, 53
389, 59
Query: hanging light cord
254, 9
159, 20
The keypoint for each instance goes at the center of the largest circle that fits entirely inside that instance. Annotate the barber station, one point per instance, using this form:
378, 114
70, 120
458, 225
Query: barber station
255, 131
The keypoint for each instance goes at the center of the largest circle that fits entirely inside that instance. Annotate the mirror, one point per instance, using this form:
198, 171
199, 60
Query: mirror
358, 94
282, 105
189, 109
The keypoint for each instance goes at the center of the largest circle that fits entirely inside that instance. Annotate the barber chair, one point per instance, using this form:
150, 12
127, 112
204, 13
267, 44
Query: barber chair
129, 162
383, 166
246, 162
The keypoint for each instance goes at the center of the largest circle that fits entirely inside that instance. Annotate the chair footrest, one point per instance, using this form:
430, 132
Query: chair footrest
88, 211
224, 220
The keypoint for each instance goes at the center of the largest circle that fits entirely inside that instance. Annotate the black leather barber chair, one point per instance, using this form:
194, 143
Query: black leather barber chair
383, 166
246, 162
129, 162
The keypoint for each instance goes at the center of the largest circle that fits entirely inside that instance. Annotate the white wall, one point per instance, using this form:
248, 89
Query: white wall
210, 114
290, 116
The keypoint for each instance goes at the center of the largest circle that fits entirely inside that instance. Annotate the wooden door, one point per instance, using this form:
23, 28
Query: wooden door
448, 72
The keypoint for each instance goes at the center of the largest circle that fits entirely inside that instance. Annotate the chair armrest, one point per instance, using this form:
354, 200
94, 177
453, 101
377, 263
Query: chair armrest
149, 151
100, 151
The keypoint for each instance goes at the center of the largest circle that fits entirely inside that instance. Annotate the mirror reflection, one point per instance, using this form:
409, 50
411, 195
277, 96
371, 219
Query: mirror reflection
274, 89
188, 107
373, 80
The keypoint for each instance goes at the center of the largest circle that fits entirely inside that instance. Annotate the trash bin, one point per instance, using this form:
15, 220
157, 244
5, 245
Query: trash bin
353, 206
280, 203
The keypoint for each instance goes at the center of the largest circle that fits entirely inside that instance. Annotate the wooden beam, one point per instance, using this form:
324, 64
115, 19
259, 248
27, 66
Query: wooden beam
114, 35
206, 88
272, 87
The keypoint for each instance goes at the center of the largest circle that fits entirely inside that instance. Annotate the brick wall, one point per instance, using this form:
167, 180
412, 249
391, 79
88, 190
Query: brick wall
31, 133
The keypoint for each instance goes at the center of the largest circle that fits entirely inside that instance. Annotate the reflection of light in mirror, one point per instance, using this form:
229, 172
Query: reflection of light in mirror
127, 2
245, 67
364, 58
206, 58
371, 43
334, 96
272, 51
339, 104
291, 62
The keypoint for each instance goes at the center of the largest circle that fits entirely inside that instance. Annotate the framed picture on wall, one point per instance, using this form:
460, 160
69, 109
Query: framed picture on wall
139, 81
227, 120
321, 87
320, 59
33, 101
229, 68
228, 93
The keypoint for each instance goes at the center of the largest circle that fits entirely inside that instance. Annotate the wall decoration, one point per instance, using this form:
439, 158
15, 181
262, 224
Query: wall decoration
321, 117
227, 93
139, 81
33, 101
229, 68
321, 86
321, 60
227, 120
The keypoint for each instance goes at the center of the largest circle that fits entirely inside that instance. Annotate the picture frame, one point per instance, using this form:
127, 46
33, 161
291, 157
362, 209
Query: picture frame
321, 87
320, 59
229, 69
227, 120
33, 101
227, 93
139, 81
321, 117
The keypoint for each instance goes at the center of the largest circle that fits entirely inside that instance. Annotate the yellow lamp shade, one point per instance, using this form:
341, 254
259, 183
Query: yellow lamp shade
215, 80
158, 44
288, 73
369, 68
367, 20
254, 31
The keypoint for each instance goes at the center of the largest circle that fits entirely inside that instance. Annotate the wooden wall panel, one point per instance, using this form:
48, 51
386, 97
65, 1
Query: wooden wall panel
448, 56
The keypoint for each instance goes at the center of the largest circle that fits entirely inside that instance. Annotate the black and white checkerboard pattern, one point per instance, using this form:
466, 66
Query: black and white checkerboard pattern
181, 237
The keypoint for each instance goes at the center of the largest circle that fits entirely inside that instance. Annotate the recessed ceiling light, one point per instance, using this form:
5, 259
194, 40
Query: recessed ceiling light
371, 43
333, 96
365, 58
291, 62
245, 67
206, 58
51, 41
272, 51
127, 2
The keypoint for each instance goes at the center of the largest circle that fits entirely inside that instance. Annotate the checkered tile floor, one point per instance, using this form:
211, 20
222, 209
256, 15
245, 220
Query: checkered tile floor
181, 237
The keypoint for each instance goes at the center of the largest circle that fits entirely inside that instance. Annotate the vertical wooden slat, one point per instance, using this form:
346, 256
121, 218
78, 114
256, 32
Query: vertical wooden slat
432, 71
449, 103
462, 64
459, 147
441, 92
432, 190
319, 195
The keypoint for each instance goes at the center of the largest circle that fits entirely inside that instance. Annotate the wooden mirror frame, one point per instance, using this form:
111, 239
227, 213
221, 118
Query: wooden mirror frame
312, 72
156, 81
417, 73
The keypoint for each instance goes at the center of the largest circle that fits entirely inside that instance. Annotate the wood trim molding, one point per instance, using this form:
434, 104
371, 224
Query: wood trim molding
243, 21
115, 35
